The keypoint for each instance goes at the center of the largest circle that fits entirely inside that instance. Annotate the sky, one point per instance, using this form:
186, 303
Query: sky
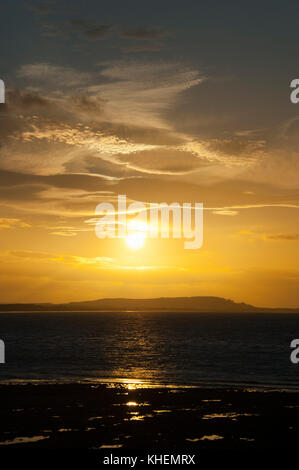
171, 101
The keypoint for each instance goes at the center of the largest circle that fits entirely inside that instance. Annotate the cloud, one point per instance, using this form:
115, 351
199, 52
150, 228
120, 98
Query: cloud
90, 29
45, 197
230, 152
26, 99
64, 259
283, 237
6, 223
165, 161
119, 110
74, 195
139, 92
35, 127
131, 92
39, 8
54, 75
225, 212
79, 137
116, 123
150, 162
64, 234
93, 29
98, 263
142, 47
93, 164
236, 146
143, 34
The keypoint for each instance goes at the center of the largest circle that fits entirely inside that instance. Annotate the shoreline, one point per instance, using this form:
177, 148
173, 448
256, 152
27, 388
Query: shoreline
143, 384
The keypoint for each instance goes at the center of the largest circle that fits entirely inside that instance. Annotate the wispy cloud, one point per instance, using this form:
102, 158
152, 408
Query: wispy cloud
139, 92
90, 29
225, 212
44, 8
283, 236
93, 29
143, 34
6, 223
154, 47
54, 75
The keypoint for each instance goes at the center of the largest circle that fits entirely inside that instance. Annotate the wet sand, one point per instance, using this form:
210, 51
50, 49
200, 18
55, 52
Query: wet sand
116, 417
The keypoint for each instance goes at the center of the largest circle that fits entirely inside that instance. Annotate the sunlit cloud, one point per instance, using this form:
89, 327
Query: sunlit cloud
225, 212
56, 76
140, 92
6, 223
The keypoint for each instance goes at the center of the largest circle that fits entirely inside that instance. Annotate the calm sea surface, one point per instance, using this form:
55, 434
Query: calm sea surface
156, 348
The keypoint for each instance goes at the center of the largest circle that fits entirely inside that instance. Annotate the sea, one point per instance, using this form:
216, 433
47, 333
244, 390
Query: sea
151, 348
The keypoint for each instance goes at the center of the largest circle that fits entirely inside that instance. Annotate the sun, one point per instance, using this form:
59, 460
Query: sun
137, 233
135, 240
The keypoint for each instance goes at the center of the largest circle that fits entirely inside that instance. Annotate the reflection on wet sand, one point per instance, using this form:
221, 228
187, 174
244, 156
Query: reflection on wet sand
211, 437
110, 446
139, 417
232, 416
23, 440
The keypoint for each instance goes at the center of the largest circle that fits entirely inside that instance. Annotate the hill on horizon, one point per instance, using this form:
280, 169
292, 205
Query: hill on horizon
170, 304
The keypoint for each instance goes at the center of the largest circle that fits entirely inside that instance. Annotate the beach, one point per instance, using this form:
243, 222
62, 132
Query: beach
116, 416
131, 380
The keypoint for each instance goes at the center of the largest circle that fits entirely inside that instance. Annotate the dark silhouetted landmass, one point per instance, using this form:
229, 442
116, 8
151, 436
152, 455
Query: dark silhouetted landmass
169, 304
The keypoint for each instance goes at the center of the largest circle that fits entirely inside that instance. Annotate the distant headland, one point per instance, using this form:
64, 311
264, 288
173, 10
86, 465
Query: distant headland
160, 304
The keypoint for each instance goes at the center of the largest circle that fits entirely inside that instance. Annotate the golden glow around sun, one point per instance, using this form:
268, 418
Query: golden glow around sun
137, 233
135, 240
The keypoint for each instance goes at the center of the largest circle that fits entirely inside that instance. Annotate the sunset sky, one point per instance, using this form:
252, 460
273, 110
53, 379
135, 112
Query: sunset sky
163, 101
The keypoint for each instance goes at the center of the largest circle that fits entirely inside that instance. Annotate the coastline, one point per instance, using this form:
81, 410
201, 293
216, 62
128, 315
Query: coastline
112, 382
